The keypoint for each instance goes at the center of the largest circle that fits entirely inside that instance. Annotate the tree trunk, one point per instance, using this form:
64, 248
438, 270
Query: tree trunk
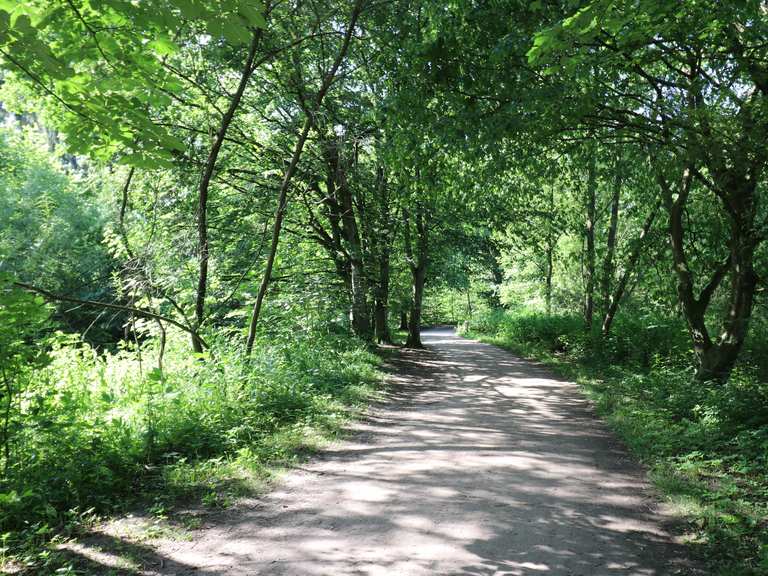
550, 250
618, 292
382, 327
403, 320
469, 303
414, 322
382, 300
693, 308
381, 237
361, 323
589, 232
548, 281
613, 225
717, 362
203, 246
418, 266
716, 358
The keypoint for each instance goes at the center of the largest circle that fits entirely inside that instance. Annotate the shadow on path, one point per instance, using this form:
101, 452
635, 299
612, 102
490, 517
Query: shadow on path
478, 463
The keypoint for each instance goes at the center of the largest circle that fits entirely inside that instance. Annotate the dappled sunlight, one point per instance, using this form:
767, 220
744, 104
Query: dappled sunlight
485, 466
93, 555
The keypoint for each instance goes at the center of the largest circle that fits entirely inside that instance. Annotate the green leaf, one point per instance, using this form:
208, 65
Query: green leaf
252, 16
163, 46
235, 32
189, 9
172, 142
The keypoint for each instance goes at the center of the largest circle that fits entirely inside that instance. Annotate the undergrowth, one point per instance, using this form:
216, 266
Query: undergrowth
706, 445
97, 433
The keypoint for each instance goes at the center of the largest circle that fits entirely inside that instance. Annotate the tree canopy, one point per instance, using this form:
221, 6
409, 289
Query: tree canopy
192, 189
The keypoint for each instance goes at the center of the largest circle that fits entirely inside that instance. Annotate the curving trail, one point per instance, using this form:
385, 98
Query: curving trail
479, 463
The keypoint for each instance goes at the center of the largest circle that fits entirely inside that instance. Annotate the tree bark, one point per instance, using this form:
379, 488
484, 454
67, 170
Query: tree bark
716, 358
417, 299
361, 323
615, 298
469, 302
719, 360
613, 224
381, 240
548, 278
203, 246
381, 304
589, 233
550, 248
418, 266
693, 308
345, 241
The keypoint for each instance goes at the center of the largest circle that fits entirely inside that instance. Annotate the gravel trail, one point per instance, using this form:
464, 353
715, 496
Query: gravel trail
478, 463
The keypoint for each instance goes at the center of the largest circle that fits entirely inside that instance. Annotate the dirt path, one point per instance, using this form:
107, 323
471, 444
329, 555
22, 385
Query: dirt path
480, 463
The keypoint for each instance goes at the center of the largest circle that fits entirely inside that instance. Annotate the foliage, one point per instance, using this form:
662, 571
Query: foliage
102, 65
112, 426
295, 172
53, 229
22, 318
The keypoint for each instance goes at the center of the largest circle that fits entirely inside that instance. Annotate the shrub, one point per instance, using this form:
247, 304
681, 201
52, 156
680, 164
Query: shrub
98, 428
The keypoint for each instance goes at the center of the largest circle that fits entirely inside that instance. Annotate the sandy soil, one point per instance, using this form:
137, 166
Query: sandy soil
478, 463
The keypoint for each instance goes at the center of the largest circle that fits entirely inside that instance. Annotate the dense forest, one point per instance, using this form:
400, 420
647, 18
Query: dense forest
218, 216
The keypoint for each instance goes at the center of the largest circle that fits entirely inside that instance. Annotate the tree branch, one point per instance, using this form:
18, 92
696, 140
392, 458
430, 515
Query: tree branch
119, 307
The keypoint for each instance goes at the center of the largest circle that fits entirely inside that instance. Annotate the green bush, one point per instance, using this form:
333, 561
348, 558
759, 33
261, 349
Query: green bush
641, 341
95, 428
645, 340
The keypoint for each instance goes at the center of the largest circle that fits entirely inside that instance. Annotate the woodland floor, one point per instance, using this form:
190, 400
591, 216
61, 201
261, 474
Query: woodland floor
477, 463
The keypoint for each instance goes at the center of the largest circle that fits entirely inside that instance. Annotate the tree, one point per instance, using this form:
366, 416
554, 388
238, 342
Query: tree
106, 73
310, 109
691, 81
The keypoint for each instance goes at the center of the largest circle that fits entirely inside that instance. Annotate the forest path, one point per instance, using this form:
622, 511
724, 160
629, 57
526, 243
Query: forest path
478, 463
